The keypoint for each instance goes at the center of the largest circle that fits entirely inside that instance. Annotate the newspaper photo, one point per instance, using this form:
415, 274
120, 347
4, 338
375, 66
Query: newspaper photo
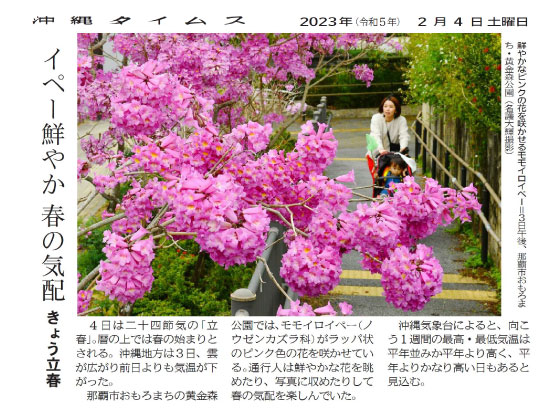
245, 209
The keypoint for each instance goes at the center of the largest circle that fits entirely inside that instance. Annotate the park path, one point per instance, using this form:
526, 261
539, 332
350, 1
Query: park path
461, 295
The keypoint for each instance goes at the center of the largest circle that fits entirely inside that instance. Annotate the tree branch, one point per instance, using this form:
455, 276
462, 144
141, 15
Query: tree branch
107, 197
158, 216
82, 285
365, 196
214, 168
100, 43
89, 311
88, 199
101, 223
219, 106
276, 212
261, 259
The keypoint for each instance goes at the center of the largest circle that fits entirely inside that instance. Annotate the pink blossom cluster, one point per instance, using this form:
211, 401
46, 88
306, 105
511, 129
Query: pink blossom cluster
201, 150
85, 40
84, 299
395, 44
310, 269
348, 41
138, 204
83, 168
422, 211
85, 75
411, 278
295, 107
241, 244
364, 73
373, 230
325, 229
298, 309
326, 192
94, 85
277, 177
104, 182
220, 67
147, 97
316, 149
372, 226
152, 158
127, 275
460, 202
252, 136
226, 227
98, 149
272, 117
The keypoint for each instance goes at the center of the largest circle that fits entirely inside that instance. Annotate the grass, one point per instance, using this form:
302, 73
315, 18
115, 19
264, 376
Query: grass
420, 170
474, 267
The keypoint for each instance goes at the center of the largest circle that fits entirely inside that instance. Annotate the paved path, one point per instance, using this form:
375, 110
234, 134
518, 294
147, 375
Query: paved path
460, 296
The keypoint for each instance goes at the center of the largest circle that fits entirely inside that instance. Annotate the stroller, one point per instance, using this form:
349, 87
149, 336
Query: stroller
378, 170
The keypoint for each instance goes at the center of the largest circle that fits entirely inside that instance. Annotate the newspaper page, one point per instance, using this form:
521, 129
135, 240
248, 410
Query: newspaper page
265, 210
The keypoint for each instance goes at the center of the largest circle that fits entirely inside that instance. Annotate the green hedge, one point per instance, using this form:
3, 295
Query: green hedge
386, 70
174, 290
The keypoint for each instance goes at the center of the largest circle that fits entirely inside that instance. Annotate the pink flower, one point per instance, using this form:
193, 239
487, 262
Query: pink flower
127, 274
349, 177
411, 278
296, 310
345, 308
295, 107
84, 299
364, 73
83, 168
326, 310
305, 309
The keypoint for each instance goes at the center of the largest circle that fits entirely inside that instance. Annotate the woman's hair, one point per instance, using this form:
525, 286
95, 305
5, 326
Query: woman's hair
395, 101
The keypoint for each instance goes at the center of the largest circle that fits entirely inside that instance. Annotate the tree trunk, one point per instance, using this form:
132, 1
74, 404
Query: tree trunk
199, 268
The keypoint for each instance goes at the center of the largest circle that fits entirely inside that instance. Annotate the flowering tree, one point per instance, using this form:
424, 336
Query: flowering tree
458, 73
190, 135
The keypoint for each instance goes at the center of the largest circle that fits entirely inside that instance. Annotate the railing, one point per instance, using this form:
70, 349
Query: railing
320, 115
262, 296
421, 130
392, 87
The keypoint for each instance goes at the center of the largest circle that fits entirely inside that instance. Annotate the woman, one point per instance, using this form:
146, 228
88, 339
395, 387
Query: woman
389, 128
388, 133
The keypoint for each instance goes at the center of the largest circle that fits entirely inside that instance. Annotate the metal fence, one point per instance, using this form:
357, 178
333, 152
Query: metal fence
421, 130
320, 115
262, 297
387, 88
